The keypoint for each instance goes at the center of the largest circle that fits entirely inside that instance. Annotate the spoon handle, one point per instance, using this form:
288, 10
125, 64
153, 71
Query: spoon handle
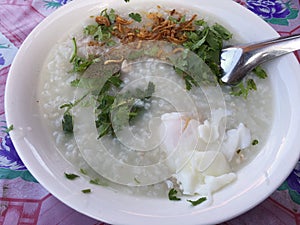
267, 50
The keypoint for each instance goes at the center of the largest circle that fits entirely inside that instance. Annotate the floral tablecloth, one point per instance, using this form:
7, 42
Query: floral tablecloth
24, 201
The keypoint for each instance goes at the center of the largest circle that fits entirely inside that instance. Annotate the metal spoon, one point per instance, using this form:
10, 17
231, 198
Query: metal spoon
238, 61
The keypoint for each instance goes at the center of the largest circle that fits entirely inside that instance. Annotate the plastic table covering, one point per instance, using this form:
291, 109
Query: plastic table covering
24, 201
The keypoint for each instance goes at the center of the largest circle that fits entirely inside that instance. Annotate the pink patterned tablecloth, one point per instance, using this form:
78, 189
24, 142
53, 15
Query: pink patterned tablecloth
24, 201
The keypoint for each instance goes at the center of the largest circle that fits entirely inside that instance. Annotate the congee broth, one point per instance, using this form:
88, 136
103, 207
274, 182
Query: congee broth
132, 100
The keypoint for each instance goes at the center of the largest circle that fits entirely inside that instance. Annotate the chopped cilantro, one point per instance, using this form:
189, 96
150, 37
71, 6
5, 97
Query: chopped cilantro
177, 21
172, 195
152, 52
80, 64
111, 15
67, 123
74, 55
174, 20
222, 31
9, 129
182, 19
188, 79
71, 176
135, 16
128, 106
251, 84
255, 142
197, 202
260, 72
97, 181
243, 88
83, 171
100, 33
201, 23
207, 43
124, 108
105, 101
137, 181
86, 191
90, 29
67, 105
75, 83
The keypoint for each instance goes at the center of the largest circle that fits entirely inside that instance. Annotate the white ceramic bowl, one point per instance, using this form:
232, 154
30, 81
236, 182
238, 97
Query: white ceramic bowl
35, 147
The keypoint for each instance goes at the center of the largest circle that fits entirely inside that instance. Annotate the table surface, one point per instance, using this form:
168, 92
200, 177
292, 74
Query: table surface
24, 201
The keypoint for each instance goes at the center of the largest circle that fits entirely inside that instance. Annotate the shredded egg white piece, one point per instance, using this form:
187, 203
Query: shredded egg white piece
208, 169
239, 138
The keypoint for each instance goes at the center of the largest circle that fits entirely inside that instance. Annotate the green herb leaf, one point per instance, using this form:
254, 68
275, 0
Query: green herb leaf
255, 142
207, 43
103, 34
128, 106
172, 19
74, 55
148, 92
9, 129
189, 80
251, 85
66, 105
83, 171
135, 16
71, 176
197, 202
121, 109
75, 83
243, 88
90, 29
201, 23
260, 72
137, 181
222, 31
111, 15
86, 191
115, 80
172, 195
97, 181
182, 19
152, 52
177, 21
79, 64
67, 123
105, 101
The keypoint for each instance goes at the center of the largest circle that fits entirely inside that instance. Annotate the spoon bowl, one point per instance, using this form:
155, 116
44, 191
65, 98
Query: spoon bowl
238, 61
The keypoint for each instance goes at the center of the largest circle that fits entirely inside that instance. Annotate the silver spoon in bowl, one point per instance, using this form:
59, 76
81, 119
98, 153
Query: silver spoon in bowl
238, 61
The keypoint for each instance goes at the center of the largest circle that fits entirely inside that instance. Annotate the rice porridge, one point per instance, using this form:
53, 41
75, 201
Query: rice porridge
126, 107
